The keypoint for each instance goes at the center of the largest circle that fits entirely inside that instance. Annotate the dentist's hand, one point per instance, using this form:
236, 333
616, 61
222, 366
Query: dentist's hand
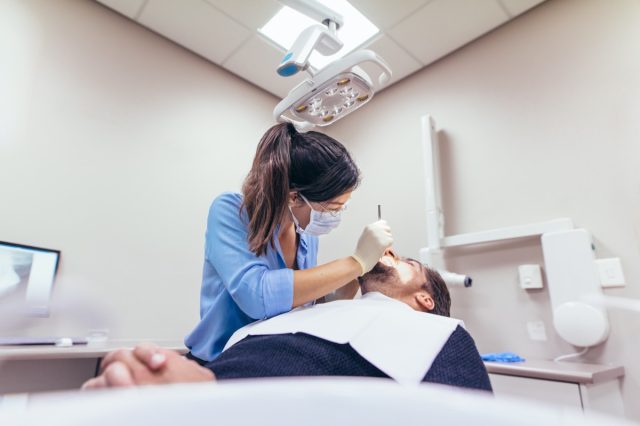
374, 240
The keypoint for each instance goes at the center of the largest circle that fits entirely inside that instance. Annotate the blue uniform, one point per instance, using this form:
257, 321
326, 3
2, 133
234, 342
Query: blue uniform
239, 287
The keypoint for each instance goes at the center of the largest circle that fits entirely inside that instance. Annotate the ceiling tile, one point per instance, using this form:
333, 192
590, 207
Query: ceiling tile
384, 13
401, 63
256, 61
128, 8
445, 25
516, 7
414, 33
196, 25
251, 13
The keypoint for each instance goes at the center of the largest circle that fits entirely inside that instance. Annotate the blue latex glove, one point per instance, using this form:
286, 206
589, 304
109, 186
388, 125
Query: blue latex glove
502, 357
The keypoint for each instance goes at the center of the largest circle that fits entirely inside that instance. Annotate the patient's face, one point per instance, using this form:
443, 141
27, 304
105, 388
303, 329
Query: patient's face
394, 276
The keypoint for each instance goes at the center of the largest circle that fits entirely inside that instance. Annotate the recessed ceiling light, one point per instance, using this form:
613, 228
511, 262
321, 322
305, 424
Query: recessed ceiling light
287, 24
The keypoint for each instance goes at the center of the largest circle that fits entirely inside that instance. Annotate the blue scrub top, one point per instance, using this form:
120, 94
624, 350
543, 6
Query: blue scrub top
239, 287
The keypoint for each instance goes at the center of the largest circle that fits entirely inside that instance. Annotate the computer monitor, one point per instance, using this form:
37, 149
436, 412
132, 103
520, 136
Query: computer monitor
27, 274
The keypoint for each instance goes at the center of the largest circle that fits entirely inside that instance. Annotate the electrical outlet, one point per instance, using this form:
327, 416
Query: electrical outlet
610, 271
530, 276
537, 331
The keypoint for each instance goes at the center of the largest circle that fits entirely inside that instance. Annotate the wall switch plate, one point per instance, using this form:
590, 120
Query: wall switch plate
537, 331
530, 276
610, 272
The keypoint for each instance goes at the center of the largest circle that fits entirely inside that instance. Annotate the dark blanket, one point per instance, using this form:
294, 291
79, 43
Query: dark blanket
457, 364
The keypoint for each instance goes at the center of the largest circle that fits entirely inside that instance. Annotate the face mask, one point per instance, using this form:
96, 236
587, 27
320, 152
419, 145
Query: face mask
320, 223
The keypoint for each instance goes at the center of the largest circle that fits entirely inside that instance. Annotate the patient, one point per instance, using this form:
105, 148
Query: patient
295, 353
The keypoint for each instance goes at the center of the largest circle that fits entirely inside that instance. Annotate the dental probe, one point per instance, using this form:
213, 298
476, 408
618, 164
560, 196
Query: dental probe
379, 212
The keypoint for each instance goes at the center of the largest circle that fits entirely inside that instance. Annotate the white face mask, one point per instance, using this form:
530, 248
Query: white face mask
320, 223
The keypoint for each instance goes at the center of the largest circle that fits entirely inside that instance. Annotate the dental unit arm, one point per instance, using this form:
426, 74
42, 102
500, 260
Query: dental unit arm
432, 255
578, 304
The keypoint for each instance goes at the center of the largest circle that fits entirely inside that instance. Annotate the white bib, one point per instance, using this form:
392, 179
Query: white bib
398, 340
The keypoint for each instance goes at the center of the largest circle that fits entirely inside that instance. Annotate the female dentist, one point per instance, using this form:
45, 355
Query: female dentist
261, 246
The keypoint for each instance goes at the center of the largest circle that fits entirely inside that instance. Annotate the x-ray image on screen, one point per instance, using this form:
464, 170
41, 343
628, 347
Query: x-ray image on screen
27, 274
15, 267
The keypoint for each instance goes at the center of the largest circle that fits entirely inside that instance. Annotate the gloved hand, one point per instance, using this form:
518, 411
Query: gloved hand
374, 240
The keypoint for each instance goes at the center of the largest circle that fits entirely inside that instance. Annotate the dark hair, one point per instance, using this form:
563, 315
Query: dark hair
314, 164
438, 290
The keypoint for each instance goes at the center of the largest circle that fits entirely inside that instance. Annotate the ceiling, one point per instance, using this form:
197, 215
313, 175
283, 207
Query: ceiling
413, 33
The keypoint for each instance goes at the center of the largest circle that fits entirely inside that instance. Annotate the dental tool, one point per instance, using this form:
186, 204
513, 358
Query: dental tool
435, 259
379, 212
451, 279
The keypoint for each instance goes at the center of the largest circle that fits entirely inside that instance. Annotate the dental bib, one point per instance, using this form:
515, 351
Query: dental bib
399, 341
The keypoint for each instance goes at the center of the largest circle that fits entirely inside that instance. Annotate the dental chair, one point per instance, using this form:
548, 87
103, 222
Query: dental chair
281, 402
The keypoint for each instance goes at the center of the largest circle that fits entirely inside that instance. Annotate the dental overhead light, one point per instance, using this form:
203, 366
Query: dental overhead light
335, 90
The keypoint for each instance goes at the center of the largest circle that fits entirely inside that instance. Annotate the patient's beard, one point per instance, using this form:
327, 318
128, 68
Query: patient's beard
380, 278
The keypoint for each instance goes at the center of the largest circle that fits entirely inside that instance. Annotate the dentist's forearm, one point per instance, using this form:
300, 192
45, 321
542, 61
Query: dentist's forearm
347, 291
311, 284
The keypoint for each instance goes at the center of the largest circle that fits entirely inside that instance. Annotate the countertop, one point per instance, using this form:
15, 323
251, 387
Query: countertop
565, 371
93, 350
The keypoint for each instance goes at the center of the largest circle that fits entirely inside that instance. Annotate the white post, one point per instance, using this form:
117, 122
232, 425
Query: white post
431, 254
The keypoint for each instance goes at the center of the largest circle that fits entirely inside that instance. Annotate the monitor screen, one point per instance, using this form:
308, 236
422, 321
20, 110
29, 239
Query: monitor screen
27, 274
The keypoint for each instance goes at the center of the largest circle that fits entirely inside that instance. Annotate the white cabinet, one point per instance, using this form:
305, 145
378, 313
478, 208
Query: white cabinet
562, 386
560, 395
47, 368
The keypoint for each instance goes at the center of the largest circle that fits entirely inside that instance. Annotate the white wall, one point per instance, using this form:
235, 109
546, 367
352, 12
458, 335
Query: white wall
539, 120
113, 143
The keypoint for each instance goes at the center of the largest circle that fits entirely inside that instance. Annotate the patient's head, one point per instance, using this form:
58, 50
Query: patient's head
408, 281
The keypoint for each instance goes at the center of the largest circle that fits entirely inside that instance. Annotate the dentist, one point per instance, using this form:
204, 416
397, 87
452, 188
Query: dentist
261, 246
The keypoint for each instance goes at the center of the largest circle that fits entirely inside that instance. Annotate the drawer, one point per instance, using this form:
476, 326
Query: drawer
558, 395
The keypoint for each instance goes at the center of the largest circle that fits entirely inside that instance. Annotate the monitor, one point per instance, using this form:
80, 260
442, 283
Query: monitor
27, 274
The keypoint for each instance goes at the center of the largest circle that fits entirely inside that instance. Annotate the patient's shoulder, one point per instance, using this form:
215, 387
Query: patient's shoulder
460, 350
459, 363
460, 339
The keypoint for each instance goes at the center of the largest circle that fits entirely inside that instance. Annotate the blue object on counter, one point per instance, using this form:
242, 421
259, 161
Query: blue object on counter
502, 357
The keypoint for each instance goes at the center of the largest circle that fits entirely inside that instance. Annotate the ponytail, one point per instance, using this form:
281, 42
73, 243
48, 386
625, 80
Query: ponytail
266, 187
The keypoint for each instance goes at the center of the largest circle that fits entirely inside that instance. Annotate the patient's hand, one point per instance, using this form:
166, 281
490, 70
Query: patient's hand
147, 364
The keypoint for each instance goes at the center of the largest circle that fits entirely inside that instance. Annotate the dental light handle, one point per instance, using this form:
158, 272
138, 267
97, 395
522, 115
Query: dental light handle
323, 38
316, 37
371, 57
356, 58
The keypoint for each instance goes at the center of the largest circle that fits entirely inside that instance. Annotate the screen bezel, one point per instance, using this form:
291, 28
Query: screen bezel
34, 312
